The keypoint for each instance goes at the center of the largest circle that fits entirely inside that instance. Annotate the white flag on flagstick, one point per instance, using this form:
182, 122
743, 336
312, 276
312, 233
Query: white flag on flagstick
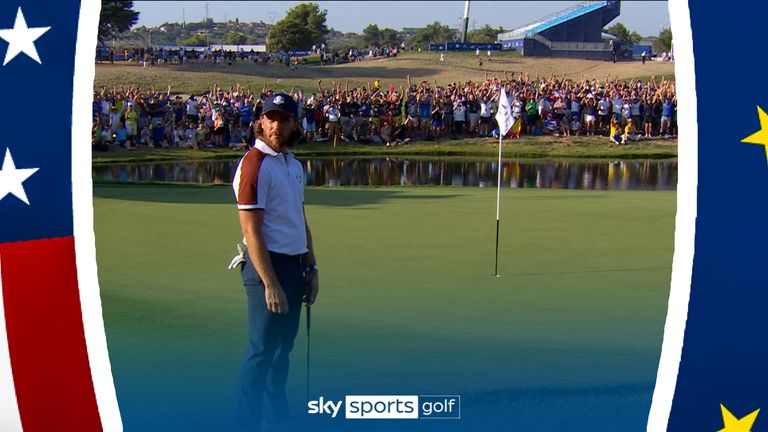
504, 114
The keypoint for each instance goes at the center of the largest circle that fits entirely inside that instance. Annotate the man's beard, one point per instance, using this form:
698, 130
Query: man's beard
287, 141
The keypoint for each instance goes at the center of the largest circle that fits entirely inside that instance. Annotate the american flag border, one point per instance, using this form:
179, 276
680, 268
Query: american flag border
82, 208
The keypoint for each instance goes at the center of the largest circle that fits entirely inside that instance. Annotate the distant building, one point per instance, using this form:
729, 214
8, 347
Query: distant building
574, 32
238, 48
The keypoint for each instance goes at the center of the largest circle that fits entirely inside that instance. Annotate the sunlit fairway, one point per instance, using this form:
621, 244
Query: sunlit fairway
459, 66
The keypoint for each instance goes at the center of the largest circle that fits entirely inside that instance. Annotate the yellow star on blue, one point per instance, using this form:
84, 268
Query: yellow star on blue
760, 137
732, 424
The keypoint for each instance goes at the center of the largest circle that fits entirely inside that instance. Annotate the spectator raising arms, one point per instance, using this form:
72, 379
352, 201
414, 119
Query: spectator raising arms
379, 114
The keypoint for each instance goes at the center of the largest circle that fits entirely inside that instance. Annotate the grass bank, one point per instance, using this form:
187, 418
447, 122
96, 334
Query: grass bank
459, 66
526, 147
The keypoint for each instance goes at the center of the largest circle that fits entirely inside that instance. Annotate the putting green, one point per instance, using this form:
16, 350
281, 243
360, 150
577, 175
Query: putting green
408, 302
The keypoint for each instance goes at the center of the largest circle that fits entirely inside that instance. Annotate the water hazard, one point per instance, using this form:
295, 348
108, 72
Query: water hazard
595, 175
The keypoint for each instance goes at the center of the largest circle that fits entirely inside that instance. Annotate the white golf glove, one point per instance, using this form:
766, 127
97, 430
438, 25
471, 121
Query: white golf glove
237, 259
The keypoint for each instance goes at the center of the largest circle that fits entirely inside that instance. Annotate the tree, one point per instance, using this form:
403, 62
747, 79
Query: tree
202, 25
434, 33
344, 42
623, 34
194, 40
234, 38
372, 35
302, 27
663, 42
485, 34
116, 17
390, 37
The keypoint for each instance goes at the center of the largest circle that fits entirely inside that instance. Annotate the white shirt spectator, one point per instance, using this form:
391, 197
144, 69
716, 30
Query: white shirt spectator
626, 110
603, 107
575, 106
544, 106
517, 108
459, 113
617, 103
485, 108
332, 113
191, 107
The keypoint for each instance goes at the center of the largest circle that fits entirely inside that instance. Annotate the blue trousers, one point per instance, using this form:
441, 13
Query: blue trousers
264, 370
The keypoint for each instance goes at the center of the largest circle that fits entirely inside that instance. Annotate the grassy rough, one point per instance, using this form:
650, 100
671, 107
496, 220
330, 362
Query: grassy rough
194, 78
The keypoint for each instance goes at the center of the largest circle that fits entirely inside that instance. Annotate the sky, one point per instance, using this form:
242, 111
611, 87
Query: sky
645, 17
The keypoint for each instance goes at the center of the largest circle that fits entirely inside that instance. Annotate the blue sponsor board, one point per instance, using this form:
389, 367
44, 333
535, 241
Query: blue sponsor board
296, 53
458, 46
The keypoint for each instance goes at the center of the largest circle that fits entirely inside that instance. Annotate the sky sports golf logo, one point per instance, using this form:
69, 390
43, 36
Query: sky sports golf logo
390, 407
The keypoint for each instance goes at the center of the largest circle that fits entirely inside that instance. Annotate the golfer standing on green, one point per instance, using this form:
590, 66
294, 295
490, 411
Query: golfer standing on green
269, 187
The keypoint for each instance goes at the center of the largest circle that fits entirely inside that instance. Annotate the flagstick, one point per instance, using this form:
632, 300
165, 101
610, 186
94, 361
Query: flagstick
309, 319
498, 210
503, 117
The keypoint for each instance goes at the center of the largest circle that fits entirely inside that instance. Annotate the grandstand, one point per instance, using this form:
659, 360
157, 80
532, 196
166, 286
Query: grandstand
575, 32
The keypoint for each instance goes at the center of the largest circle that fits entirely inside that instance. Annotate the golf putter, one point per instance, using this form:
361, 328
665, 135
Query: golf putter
309, 310
309, 320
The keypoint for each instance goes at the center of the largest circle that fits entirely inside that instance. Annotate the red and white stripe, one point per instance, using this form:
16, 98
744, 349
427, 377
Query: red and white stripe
55, 373
45, 338
9, 408
82, 204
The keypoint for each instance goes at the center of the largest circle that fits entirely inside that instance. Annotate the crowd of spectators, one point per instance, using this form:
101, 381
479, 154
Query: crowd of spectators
183, 55
132, 117
618, 110
180, 55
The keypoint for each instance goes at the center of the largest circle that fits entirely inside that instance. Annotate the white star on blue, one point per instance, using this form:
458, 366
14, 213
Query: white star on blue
21, 39
12, 178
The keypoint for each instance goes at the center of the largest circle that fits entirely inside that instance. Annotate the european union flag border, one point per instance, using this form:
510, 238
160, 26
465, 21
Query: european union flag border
685, 221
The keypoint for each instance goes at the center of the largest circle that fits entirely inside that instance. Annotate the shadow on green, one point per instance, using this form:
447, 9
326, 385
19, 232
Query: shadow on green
223, 194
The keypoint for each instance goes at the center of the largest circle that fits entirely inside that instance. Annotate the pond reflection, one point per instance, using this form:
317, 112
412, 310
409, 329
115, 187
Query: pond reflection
597, 175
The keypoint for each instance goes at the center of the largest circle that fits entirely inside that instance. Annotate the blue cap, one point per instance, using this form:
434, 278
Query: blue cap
281, 102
